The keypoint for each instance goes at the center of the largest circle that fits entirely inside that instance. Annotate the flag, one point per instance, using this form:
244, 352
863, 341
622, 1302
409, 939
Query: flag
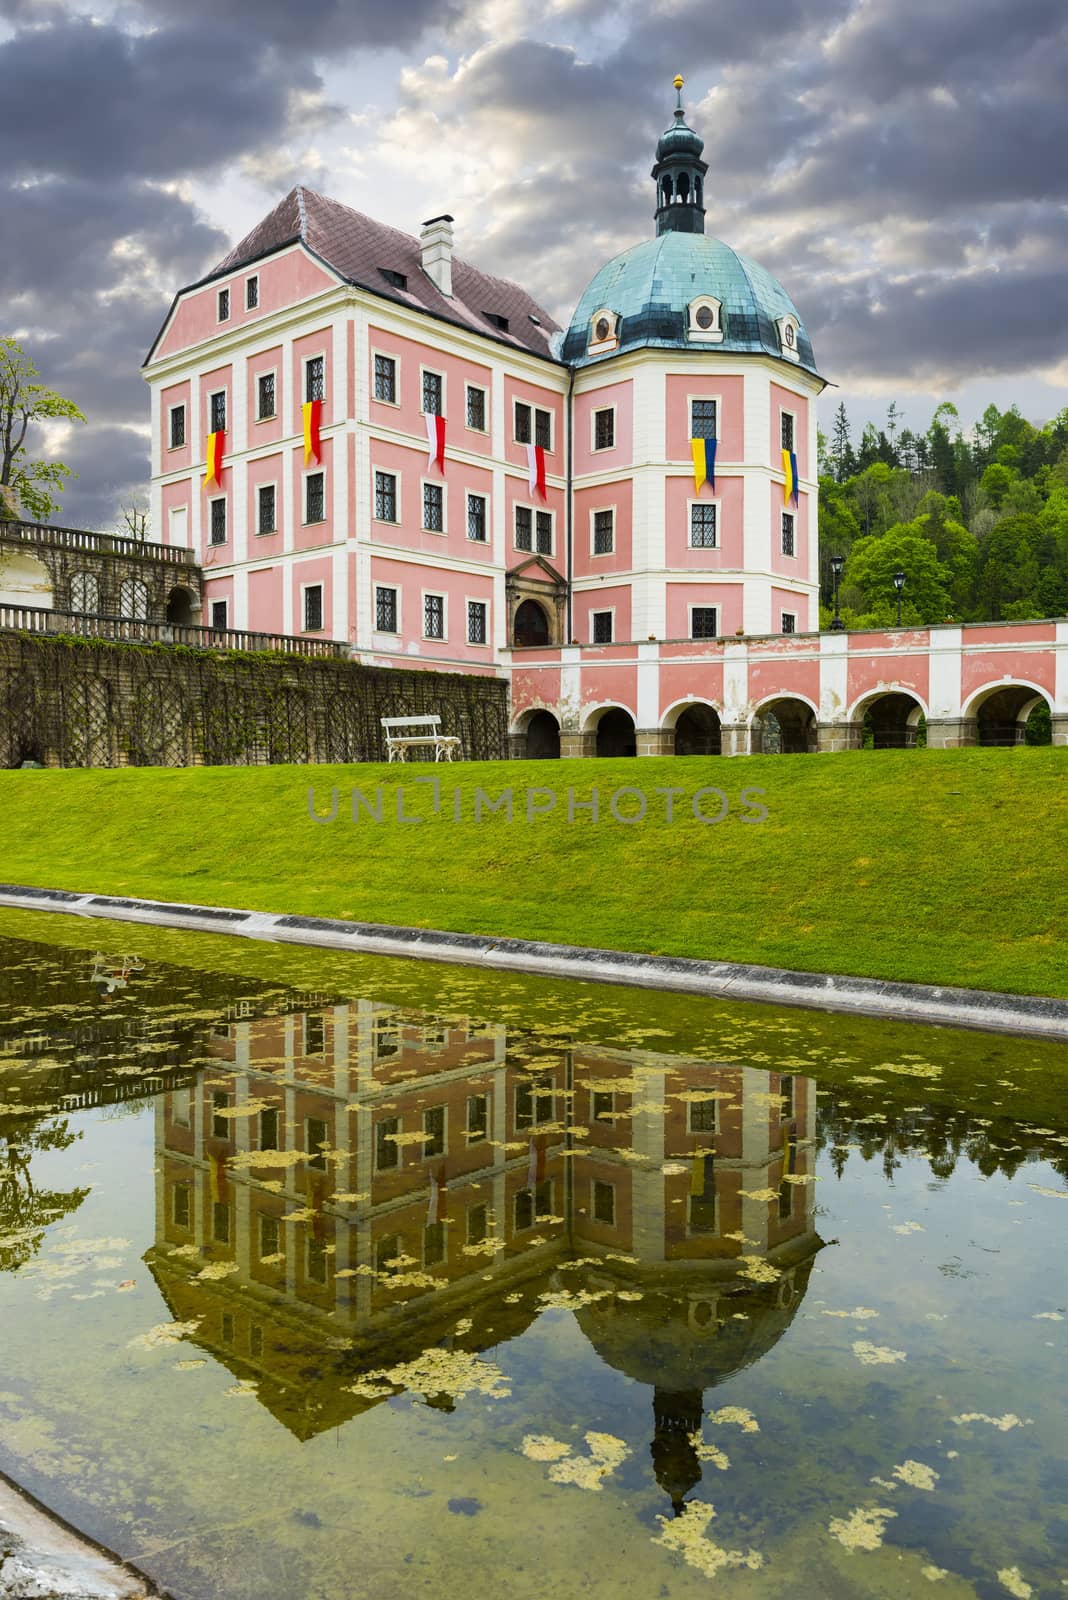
789, 467
704, 463
435, 1211
313, 416
536, 1165
536, 469
435, 440
216, 444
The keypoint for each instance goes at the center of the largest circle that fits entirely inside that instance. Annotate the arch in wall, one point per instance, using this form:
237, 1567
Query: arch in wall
696, 726
1002, 711
181, 607
784, 725
25, 581
537, 733
892, 716
615, 730
532, 625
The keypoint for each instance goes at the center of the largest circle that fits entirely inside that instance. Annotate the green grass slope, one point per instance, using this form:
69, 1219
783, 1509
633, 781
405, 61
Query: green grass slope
939, 867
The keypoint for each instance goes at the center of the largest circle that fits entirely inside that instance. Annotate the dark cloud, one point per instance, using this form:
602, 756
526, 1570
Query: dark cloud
311, 27
112, 464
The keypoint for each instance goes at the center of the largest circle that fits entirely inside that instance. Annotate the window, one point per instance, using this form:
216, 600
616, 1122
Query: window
266, 519
604, 532
315, 378
789, 622
534, 529
314, 498
385, 497
604, 428
386, 379
432, 393
84, 592
701, 1116
477, 1117
177, 427
270, 1236
786, 430
386, 1252
476, 517
316, 1260
181, 1209
434, 1131
705, 317
220, 1125
604, 1202
313, 608
477, 1225
224, 305
218, 411
433, 1244
385, 609
433, 616
786, 1092
533, 1203
387, 1040
433, 508
788, 533
218, 522
533, 417
316, 1134
396, 280
604, 1105
703, 419
252, 293
703, 519
265, 396
543, 526
181, 1107
314, 1036
269, 1128
476, 622
255, 1340
704, 622
524, 528
476, 408
227, 1327
703, 1197
601, 627
533, 1104
387, 1150
220, 1222
219, 610
498, 320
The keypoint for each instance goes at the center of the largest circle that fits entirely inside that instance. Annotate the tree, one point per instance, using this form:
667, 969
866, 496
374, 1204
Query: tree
133, 523
23, 401
995, 483
871, 567
842, 446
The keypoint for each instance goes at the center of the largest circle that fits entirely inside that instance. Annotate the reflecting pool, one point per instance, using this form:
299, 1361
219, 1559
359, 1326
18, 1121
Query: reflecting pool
328, 1277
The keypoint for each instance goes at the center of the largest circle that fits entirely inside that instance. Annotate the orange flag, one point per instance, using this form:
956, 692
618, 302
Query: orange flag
313, 416
216, 445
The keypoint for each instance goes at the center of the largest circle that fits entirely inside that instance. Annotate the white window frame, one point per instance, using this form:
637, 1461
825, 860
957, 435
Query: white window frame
224, 289
438, 594
715, 1129
533, 407
717, 503
305, 363
316, 583
266, 372
484, 391
477, 600
179, 405
788, 350
306, 473
717, 401
601, 449
434, 372
253, 277
389, 355
595, 511
434, 483
389, 472
225, 392
595, 346
213, 500
710, 335
534, 510
788, 555
600, 612
442, 1154
397, 597
476, 494
717, 1216
703, 605
783, 629
594, 1218
223, 601
267, 533
784, 411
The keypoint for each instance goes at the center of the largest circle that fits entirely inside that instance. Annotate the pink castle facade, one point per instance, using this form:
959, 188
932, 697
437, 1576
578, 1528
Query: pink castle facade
631, 611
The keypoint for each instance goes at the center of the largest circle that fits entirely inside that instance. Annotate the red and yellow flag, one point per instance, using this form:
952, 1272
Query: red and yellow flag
313, 416
216, 446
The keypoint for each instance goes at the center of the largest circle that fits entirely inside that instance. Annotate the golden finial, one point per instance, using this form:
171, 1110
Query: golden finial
678, 81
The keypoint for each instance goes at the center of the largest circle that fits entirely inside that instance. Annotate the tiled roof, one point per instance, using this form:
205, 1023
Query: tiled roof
361, 250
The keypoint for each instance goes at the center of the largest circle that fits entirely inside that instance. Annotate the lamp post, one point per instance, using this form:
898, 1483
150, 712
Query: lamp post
899, 585
837, 563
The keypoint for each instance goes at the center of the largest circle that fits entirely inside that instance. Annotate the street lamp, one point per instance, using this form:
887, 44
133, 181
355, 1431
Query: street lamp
899, 585
837, 563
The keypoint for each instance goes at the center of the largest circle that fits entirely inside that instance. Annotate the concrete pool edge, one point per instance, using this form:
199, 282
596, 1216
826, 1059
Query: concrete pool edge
909, 1002
42, 1553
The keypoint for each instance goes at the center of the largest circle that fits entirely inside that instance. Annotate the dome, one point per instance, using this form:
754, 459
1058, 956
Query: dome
679, 140
651, 286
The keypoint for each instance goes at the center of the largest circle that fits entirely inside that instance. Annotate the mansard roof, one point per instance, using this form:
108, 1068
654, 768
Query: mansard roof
362, 251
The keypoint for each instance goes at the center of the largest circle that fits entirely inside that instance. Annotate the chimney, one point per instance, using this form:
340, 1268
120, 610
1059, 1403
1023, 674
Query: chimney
436, 241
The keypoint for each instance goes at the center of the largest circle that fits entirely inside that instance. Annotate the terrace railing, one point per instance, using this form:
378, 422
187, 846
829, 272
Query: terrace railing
131, 630
106, 544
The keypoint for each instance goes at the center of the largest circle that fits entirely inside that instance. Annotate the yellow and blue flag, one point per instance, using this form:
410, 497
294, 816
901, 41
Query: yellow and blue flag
789, 468
704, 462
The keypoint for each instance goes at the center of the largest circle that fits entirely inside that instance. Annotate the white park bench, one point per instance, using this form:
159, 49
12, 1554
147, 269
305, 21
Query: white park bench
408, 733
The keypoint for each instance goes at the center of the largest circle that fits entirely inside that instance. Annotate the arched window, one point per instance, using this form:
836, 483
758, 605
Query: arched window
133, 600
666, 192
683, 187
85, 592
698, 192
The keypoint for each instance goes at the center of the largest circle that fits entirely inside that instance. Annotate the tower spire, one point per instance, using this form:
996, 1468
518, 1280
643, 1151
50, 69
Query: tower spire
680, 174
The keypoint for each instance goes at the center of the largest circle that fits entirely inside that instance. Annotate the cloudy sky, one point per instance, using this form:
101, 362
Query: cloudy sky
899, 164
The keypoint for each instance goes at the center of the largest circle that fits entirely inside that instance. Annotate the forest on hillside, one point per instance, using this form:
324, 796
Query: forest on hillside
978, 525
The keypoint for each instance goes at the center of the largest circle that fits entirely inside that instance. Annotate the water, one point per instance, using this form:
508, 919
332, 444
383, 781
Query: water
651, 1295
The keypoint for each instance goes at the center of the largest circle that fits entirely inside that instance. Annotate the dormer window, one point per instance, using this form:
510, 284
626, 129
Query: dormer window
706, 319
788, 331
603, 332
397, 279
497, 320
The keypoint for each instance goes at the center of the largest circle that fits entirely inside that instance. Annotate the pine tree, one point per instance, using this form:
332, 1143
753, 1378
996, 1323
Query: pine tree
842, 446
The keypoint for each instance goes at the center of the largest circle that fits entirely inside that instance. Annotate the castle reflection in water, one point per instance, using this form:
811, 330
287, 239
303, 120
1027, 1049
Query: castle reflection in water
380, 1182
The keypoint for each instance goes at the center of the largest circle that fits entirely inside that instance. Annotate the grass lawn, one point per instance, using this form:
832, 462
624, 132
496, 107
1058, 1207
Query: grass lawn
940, 866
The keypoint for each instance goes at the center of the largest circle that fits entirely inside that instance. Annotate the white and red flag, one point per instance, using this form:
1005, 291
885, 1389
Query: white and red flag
536, 469
435, 442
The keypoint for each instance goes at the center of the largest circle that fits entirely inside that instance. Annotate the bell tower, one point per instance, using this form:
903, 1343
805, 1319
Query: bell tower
680, 175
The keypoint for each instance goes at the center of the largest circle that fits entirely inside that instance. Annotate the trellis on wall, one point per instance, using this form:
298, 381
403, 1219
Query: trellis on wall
93, 703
